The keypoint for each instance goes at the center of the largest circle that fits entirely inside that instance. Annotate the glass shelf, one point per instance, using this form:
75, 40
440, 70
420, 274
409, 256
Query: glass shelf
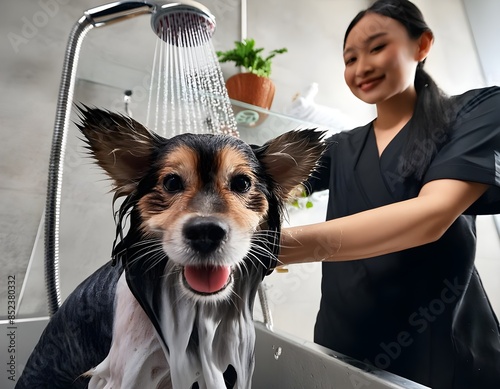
258, 125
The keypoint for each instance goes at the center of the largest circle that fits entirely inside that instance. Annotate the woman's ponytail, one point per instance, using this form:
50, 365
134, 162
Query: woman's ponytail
428, 127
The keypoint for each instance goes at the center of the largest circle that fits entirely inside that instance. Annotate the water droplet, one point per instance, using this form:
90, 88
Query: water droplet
277, 352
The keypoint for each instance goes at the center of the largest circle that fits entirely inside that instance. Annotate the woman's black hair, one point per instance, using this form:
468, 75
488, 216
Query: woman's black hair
433, 109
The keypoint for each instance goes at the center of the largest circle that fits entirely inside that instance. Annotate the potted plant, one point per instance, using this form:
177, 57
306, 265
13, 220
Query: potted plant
254, 86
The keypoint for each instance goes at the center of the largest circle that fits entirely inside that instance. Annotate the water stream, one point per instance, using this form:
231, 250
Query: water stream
187, 92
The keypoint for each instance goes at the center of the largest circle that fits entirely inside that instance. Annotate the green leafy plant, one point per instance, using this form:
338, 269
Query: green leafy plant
246, 55
302, 194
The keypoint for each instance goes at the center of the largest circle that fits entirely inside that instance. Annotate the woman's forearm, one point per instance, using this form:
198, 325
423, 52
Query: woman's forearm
381, 230
363, 235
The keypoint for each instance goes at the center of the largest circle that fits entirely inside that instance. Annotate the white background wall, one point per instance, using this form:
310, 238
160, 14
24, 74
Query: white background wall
483, 17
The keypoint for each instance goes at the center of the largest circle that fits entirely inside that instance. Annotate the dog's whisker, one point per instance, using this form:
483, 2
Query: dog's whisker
150, 248
233, 303
146, 255
153, 241
266, 234
262, 251
155, 261
261, 247
149, 262
252, 256
242, 266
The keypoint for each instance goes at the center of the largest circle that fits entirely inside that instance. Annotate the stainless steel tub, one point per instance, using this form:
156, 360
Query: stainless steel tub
286, 362
282, 361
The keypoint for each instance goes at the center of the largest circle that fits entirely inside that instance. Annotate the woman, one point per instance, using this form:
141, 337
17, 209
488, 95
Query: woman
399, 288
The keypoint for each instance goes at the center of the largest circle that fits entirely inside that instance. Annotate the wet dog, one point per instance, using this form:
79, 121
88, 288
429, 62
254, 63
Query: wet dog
197, 231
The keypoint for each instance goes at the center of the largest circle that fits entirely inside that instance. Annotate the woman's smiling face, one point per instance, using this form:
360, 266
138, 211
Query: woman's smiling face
380, 59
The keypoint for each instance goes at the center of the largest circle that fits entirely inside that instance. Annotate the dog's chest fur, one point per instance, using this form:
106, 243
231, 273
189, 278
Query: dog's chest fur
136, 358
202, 341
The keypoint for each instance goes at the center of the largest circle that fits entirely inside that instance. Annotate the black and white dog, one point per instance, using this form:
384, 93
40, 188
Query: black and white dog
196, 233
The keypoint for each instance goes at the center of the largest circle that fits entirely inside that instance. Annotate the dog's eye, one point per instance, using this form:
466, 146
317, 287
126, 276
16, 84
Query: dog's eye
241, 183
173, 183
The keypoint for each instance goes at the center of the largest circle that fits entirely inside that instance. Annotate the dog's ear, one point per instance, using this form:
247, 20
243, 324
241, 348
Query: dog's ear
120, 145
290, 158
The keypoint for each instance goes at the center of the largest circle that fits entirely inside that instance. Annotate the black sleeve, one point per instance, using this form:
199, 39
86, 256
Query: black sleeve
473, 150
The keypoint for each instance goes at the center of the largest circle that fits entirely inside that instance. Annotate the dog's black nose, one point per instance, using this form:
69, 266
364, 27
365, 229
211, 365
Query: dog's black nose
204, 234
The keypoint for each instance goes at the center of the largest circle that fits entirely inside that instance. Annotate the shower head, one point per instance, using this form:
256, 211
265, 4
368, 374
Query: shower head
182, 23
186, 23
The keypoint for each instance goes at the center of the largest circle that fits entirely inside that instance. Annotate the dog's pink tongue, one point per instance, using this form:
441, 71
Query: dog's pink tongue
207, 279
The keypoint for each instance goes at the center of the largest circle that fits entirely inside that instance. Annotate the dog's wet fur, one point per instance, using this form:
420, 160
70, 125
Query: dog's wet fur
197, 231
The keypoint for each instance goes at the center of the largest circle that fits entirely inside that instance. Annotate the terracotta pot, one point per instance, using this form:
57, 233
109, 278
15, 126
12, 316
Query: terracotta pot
251, 89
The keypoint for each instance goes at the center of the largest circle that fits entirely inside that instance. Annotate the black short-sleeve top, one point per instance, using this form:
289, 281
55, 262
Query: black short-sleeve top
421, 313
